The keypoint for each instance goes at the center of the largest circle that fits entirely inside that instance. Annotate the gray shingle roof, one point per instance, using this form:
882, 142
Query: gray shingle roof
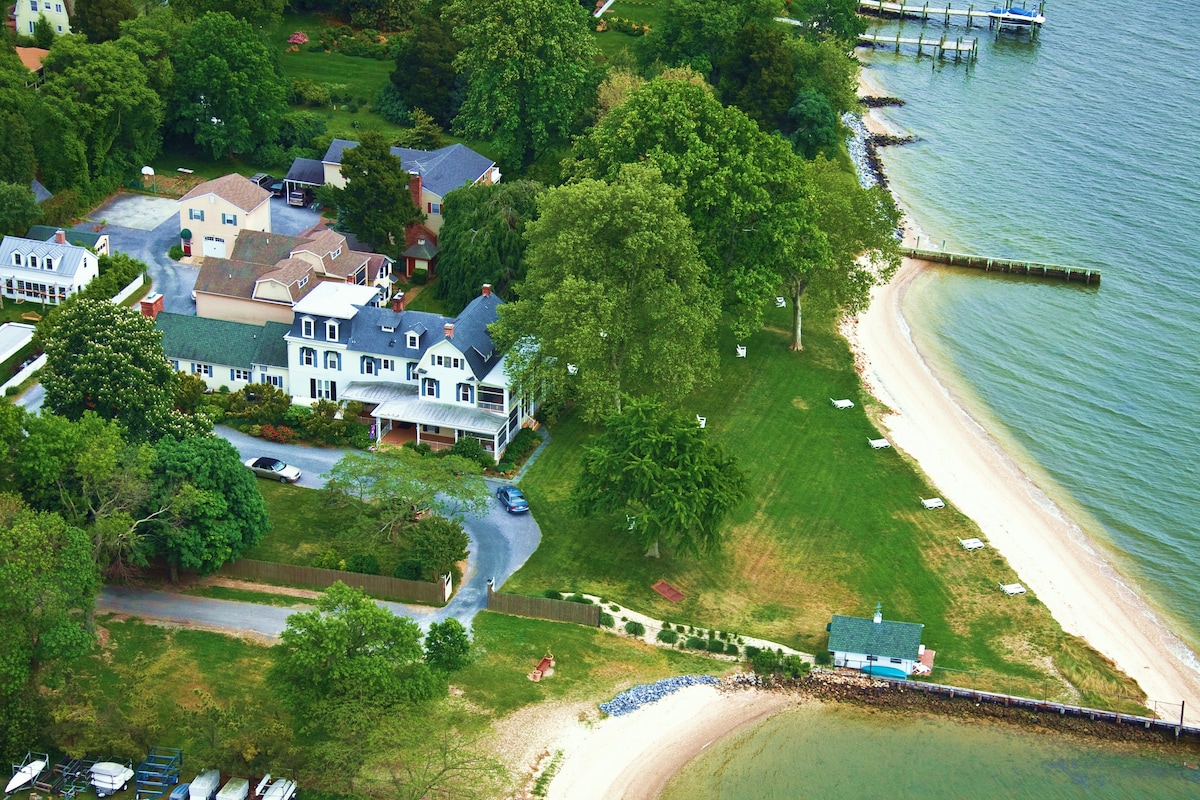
885, 639
441, 170
213, 341
307, 170
67, 257
236, 189
40, 193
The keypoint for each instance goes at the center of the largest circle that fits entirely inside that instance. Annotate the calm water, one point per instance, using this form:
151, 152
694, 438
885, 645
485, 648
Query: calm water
847, 752
1082, 148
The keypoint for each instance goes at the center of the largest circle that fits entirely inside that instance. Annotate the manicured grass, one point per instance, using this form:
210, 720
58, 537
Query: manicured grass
832, 527
248, 596
589, 663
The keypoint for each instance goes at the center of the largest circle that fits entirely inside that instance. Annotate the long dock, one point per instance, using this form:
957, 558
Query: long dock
1006, 17
1035, 269
940, 46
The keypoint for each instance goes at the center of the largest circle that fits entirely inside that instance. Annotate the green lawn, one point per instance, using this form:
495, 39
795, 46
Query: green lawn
833, 527
248, 596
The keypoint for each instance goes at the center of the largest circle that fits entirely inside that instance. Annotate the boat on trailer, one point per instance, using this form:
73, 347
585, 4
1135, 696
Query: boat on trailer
26, 772
204, 785
279, 789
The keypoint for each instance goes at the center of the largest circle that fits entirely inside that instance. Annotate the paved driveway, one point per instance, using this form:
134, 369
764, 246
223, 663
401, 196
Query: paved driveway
500, 544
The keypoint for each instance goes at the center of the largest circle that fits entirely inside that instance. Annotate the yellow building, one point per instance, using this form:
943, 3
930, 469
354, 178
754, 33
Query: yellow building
216, 211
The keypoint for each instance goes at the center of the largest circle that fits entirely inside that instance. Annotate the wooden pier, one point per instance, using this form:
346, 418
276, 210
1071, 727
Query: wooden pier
940, 46
994, 17
1035, 269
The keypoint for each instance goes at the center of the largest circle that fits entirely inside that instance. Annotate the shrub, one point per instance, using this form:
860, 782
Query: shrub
471, 448
553, 594
524, 443
330, 559
751, 650
358, 435
823, 657
281, 433
607, 621
505, 467
296, 416
363, 563
668, 636
213, 412
766, 662
716, 646
419, 277
175, 253
578, 598
635, 628
389, 104
731, 649
408, 570
696, 643
299, 37
794, 666
254, 430
614, 607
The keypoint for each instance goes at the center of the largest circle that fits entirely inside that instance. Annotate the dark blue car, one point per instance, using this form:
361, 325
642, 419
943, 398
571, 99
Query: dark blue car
511, 498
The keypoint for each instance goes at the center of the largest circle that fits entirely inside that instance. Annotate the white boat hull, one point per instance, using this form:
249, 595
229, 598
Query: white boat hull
25, 775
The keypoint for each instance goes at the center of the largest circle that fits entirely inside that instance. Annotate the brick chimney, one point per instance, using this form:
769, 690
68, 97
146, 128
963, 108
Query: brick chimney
449, 328
60, 236
152, 304
487, 290
414, 189
398, 302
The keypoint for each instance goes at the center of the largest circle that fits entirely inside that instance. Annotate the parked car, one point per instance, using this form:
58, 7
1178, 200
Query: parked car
262, 179
511, 498
276, 189
273, 468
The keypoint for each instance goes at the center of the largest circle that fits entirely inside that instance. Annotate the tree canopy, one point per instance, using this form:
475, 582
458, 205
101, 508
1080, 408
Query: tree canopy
658, 467
108, 359
375, 203
437, 544
229, 94
425, 76
530, 72
482, 240
349, 650
18, 209
100, 20
614, 301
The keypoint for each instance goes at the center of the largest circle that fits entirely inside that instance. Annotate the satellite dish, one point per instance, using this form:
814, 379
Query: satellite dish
147, 171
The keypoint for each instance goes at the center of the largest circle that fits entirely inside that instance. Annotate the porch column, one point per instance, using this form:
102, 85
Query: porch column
378, 429
417, 428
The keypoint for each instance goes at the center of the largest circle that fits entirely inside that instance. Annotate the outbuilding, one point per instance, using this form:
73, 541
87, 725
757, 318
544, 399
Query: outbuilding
875, 646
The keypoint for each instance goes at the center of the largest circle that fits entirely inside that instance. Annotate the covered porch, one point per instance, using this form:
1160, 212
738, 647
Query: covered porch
400, 415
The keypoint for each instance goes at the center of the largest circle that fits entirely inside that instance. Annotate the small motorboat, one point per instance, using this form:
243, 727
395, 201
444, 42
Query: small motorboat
280, 789
109, 777
25, 775
204, 785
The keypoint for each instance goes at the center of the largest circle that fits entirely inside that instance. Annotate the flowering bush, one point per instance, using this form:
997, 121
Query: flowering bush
299, 37
281, 433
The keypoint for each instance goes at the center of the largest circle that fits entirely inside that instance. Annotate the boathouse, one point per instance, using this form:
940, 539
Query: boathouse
875, 646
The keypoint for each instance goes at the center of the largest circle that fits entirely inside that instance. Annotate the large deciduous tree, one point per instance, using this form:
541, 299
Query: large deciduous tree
229, 93
614, 301
858, 244
18, 209
349, 650
437, 544
390, 486
215, 509
482, 240
425, 76
659, 468
108, 359
741, 189
531, 72
261, 13
375, 203
100, 20
48, 585
702, 34
447, 647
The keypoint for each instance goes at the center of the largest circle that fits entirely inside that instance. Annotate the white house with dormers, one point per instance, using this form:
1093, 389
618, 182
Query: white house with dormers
44, 271
421, 377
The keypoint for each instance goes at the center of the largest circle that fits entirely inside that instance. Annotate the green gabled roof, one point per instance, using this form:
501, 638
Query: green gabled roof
44, 233
209, 341
272, 349
885, 639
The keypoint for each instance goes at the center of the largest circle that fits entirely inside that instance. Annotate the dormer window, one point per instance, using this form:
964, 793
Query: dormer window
49, 263
331, 331
337, 252
412, 340
33, 262
306, 328
303, 282
388, 328
16, 259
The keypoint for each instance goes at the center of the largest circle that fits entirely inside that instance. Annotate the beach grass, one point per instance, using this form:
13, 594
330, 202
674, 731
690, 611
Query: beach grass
832, 526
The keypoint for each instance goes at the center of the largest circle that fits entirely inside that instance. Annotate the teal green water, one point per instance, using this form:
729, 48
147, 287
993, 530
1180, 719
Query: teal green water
1082, 148
823, 752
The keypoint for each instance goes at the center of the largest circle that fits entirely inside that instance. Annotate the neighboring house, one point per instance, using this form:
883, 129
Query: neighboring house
217, 211
44, 271
435, 173
305, 175
269, 272
421, 377
24, 15
229, 354
40, 193
877, 646
32, 58
96, 242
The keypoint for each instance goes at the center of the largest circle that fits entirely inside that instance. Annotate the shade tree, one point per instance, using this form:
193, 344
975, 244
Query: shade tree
375, 204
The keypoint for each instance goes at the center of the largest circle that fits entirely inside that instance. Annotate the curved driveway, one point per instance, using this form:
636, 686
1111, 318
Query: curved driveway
500, 544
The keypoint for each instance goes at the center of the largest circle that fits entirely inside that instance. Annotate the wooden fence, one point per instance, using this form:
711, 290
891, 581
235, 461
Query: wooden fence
379, 586
543, 608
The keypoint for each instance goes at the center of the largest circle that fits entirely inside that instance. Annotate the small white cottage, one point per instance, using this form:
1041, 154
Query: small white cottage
875, 646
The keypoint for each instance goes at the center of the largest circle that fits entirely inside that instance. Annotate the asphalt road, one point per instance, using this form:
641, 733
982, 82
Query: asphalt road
500, 544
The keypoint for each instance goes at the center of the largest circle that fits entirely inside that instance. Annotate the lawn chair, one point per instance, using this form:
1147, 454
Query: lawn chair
780, 302
932, 502
879, 444
972, 544
741, 351
1012, 588
842, 403
702, 421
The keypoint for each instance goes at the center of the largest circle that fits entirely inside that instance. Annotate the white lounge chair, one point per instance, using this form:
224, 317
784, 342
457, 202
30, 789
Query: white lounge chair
572, 369
780, 302
932, 502
1012, 588
701, 420
842, 403
741, 351
879, 444
972, 544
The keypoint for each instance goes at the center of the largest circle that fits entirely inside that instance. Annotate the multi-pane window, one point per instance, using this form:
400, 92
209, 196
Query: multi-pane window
429, 387
331, 331
228, 219
239, 375
196, 214
202, 369
465, 393
306, 328
272, 380
333, 360
308, 356
368, 366
388, 363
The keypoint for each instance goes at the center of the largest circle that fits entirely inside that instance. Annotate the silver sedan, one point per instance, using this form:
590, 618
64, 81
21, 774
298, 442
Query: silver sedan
273, 468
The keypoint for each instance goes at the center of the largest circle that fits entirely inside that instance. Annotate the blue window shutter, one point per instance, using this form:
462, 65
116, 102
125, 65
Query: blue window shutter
437, 388
231, 375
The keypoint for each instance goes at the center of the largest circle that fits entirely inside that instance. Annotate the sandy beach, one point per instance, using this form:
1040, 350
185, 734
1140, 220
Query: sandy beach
632, 757
1050, 553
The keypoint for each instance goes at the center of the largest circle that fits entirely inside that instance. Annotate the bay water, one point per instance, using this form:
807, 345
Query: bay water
1081, 148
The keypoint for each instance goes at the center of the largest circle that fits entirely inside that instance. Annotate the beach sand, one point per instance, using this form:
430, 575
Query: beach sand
1048, 551
632, 757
